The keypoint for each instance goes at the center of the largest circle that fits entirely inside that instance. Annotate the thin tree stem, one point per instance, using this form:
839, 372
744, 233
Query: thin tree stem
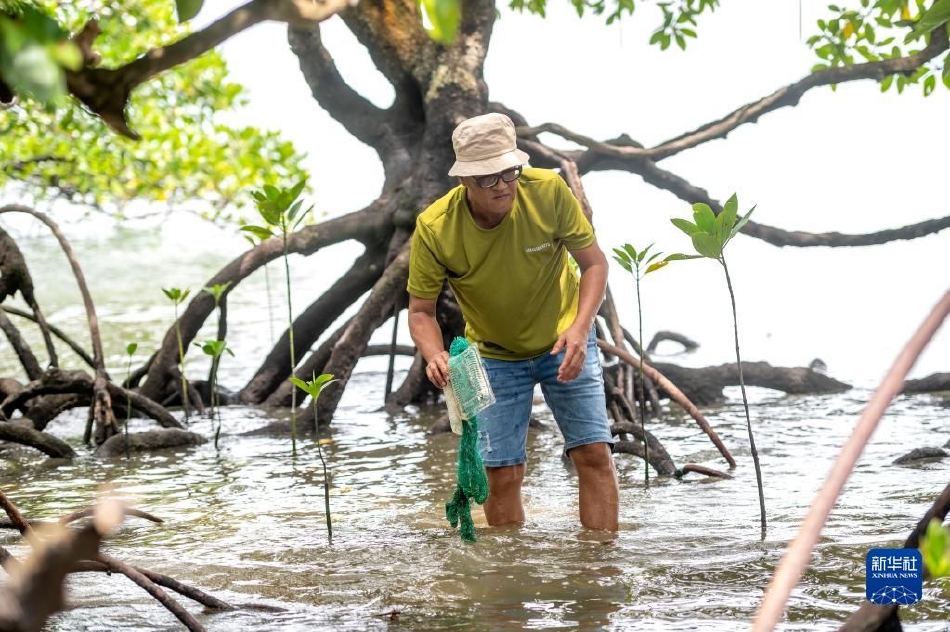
214, 404
128, 406
745, 399
293, 359
181, 365
643, 391
326, 478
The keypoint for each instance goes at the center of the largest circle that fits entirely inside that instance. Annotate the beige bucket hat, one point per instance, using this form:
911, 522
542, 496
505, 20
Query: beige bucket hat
484, 145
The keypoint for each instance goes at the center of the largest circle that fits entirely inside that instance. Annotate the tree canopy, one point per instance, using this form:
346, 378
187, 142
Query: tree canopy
188, 156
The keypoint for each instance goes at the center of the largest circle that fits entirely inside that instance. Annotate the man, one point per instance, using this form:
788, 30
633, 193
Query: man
502, 239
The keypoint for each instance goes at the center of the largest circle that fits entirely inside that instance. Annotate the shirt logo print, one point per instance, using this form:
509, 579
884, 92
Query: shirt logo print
546, 244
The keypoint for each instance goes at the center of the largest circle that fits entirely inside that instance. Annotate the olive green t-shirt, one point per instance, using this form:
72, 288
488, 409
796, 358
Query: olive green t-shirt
514, 283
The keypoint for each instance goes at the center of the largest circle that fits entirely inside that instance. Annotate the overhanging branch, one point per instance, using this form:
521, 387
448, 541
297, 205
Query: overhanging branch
106, 90
786, 96
593, 160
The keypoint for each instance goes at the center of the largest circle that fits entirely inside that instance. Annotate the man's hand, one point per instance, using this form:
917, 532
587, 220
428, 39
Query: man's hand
438, 369
574, 342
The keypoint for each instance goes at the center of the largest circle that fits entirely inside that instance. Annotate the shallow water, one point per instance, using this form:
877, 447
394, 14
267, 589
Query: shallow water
246, 523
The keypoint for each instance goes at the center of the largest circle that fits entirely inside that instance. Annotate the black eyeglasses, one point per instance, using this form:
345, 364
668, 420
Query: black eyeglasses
508, 175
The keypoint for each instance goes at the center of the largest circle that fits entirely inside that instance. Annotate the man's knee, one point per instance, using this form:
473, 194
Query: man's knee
594, 456
505, 479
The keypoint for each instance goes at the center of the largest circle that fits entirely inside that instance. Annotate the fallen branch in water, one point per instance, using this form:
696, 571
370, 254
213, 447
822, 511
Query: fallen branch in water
675, 394
25, 610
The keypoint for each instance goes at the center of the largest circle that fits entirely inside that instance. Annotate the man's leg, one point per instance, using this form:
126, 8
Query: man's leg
580, 410
502, 438
597, 486
504, 498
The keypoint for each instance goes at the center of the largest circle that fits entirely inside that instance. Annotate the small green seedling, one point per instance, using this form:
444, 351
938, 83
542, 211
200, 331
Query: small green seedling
215, 348
710, 234
281, 211
639, 265
313, 388
217, 291
177, 297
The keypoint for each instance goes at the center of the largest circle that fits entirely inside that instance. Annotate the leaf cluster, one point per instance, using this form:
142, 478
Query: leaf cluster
176, 295
189, 158
280, 209
710, 232
883, 29
631, 260
678, 21
314, 387
214, 348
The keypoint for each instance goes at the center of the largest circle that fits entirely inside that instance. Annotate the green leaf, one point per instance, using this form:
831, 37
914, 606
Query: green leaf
707, 245
131, 348
322, 381
304, 386
935, 549
742, 222
621, 255
173, 293
297, 189
929, 84
294, 208
187, 9
704, 217
643, 253
937, 15
685, 225
258, 231
623, 259
656, 266
677, 256
444, 16
631, 252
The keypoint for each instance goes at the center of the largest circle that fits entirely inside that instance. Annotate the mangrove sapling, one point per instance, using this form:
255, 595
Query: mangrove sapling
313, 388
217, 293
177, 297
214, 348
130, 351
280, 209
639, 265
710, 233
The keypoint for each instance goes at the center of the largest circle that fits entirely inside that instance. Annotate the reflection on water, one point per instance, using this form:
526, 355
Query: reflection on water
246, 523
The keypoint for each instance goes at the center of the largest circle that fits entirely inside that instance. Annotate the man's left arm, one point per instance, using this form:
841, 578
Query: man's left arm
593, 265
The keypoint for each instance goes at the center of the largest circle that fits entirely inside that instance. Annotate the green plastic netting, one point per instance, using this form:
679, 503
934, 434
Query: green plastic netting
472, 483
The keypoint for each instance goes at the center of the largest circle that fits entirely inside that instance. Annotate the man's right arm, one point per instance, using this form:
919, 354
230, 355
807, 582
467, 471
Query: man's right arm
426, 333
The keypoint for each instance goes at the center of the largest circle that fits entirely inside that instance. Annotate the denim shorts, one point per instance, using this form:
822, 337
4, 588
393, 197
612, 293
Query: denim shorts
579, 406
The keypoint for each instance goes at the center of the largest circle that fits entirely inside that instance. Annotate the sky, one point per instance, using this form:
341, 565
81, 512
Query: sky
852, 160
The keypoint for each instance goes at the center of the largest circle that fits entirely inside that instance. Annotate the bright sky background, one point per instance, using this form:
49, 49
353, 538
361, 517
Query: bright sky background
852, 161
